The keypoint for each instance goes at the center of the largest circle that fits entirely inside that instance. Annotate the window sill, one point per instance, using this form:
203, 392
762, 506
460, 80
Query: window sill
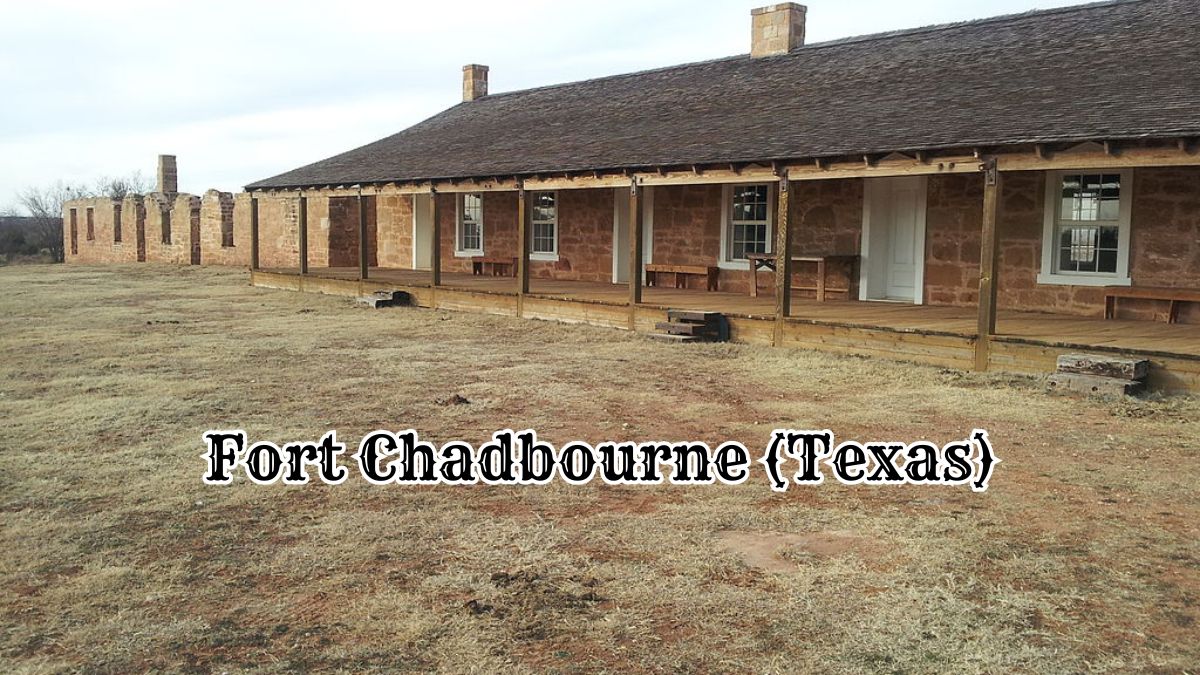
544, 257
467, 254
1082, 280
741, 265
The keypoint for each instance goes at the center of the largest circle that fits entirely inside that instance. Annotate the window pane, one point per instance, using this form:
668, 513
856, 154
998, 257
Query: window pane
1107, 262
1090, 197
1109, 237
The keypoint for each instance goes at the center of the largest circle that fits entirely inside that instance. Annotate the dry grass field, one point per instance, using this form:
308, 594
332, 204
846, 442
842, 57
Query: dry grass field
114, 557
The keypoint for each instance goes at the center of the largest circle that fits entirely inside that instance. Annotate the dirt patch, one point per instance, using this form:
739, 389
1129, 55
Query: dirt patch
784, 552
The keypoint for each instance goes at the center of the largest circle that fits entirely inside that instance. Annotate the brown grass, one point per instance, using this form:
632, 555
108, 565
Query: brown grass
114, 557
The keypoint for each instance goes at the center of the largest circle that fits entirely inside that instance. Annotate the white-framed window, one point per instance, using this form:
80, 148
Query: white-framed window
544, 223
468, 239
1086, 237
747, 223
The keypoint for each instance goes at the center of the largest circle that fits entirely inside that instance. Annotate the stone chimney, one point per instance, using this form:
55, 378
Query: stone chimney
168, 175
474, 81
777, 29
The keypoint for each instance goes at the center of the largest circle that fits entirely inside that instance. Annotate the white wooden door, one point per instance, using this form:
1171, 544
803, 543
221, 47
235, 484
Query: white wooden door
422, 232
621, 231
904, 241
893, 240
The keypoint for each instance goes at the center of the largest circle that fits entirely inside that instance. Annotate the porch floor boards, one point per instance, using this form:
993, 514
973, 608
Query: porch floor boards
1054, 329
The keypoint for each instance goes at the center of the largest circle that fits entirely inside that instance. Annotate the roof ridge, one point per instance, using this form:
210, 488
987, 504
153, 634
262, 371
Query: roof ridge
854, 39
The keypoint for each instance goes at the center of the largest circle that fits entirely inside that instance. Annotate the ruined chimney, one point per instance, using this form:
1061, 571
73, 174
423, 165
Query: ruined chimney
777, 29
168, 175
474, 81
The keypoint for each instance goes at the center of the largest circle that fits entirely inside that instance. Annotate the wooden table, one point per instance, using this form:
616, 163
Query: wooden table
760, 260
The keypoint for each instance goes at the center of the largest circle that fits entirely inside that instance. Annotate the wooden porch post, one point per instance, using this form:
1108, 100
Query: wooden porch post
363, 254
435, 253
988, 263
254, 233
783, 257
522, 242
636, 225
303, 234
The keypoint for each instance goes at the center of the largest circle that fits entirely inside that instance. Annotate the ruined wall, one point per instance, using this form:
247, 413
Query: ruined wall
111, 237
168, 228
219, 214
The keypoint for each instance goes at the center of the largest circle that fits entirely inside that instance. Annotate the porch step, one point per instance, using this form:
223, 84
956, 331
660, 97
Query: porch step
1099, 375
682, 328
692, 316
380, 299
1104, 366
668, 337
1095, 385
689, 325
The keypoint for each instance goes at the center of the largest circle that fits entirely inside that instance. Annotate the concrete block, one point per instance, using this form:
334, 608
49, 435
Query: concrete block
1104, 366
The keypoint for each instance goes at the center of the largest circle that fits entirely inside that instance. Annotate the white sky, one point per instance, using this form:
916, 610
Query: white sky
245, 90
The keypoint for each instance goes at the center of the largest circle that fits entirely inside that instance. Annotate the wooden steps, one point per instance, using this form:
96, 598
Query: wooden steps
1099, 375
686, 325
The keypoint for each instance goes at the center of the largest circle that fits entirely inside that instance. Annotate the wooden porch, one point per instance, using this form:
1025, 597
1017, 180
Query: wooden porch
1026, 342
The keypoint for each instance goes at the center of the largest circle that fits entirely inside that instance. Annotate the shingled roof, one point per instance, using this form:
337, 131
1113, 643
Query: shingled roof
1116, 70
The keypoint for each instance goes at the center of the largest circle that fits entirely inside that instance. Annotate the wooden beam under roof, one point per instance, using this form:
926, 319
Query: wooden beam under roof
1096, 158
891, 167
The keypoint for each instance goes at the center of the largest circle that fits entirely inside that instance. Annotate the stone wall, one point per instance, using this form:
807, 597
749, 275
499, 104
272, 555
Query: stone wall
394, 230
342, 239
168, 228
686, 222
1164, 246
218, 214
104, 241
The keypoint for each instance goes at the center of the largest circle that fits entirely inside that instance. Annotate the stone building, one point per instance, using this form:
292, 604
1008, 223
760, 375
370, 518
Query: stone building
1031, 163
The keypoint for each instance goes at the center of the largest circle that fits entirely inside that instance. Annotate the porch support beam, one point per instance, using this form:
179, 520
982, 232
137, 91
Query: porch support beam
635, 249
435, 246
888, 166
523, 227
303, 224
989, 259
254, 233
783, 257
363, 254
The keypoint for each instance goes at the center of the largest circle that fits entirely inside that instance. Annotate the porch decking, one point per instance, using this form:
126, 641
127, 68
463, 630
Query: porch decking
1027, 341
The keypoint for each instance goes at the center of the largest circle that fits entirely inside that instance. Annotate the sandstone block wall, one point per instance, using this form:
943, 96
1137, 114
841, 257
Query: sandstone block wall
394, 231
687, 221
111, 236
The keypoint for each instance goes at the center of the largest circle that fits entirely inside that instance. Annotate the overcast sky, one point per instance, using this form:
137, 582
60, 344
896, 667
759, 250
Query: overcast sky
245, 90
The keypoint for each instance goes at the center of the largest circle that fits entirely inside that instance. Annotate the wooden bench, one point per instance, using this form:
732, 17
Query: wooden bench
499, 267
681, 272
1171, 295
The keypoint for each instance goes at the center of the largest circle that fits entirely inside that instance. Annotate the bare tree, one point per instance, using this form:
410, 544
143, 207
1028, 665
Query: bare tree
117, 187
45, 205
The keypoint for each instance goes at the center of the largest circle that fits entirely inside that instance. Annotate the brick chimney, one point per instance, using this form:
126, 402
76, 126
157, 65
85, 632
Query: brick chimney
168, 175
475, 79
777, 29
